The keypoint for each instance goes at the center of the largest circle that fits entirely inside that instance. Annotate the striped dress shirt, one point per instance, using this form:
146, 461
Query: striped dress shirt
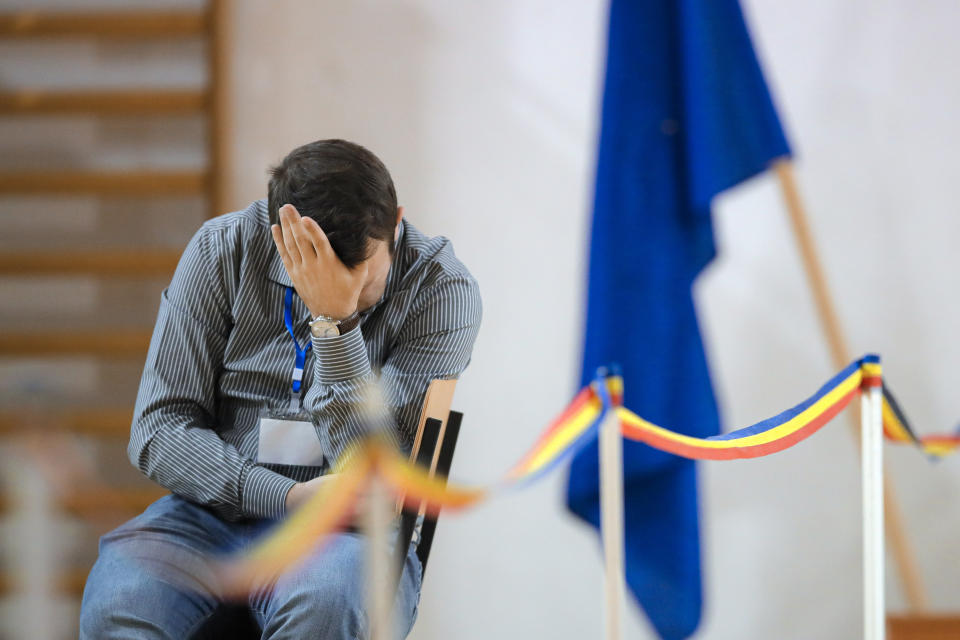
220, 354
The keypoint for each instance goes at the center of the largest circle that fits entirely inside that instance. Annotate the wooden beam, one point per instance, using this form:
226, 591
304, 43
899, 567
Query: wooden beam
104, 183
923, 627
103, 24
105, 343
105, 422
90, 502
8, 583
72, 581
131, 263
219, 122
126, 102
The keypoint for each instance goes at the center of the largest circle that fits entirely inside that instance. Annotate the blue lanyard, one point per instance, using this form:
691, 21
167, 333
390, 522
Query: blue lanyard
301, 351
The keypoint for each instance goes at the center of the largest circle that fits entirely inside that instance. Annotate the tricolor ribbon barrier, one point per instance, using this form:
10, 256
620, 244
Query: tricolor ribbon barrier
897, 428
334, 504
768, 436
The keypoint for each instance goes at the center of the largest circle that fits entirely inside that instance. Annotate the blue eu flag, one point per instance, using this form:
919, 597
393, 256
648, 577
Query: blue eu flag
686, 114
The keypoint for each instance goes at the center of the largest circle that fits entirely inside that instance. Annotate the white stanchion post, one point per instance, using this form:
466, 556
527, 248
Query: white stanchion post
611, 523
871, 420
379, 510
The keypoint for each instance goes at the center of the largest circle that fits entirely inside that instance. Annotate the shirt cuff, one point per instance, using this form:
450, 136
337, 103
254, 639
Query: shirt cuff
341, 357
265, 493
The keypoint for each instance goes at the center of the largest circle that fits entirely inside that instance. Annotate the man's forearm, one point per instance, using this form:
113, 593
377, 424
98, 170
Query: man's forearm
196, 463
340, 395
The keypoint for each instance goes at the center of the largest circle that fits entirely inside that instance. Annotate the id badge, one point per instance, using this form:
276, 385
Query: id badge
289, 439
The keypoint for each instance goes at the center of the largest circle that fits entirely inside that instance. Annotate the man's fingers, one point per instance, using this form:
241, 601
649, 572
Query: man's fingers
289, 210
288, 217
302, 237
281, 248
320, 241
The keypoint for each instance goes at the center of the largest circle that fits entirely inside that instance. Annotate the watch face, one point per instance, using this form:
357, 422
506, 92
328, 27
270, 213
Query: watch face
324, 330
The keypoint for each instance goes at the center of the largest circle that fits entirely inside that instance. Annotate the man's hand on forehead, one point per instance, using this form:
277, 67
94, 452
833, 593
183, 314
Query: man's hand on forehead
326, 285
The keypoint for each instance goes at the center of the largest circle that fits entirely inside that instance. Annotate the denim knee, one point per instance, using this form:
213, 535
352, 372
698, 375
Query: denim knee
123, 599
326, 598
311, 604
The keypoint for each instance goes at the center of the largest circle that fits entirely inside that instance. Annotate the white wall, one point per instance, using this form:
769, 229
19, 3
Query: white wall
485, 113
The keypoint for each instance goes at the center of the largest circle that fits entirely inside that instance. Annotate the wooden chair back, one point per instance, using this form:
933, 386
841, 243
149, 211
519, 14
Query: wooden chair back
433, 447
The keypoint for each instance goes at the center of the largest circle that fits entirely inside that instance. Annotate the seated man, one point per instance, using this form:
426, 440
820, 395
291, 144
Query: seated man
267, 337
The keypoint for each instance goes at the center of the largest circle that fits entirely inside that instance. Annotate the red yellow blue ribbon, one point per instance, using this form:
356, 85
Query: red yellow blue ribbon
576, 426
302, 533
897, 428
566, 434
768, 436
329, 509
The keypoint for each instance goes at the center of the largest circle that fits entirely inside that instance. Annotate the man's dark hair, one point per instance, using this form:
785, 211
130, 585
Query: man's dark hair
345, 188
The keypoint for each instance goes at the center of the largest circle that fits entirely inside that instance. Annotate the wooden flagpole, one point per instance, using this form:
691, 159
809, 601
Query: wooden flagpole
903, 558
611, 523
871, 463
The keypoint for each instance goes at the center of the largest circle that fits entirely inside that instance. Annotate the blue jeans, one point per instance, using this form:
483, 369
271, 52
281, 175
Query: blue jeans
152, 579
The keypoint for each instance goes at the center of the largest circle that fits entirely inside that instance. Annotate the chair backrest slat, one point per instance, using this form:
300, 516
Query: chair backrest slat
444, 460
408, 516
436, 404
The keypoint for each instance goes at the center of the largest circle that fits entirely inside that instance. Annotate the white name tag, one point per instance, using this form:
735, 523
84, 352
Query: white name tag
292, 442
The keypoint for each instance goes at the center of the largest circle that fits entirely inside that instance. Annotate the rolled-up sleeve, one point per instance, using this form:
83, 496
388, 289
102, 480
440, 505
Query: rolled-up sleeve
172, 437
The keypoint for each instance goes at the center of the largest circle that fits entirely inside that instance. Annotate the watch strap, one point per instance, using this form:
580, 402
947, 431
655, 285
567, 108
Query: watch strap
349, 323
322, 324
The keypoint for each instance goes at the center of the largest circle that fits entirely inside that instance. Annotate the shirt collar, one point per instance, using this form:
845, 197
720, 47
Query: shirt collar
275, 269
395, 275
396, 266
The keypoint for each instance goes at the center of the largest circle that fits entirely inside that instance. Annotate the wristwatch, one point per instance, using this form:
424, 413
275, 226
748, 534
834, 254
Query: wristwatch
326, 327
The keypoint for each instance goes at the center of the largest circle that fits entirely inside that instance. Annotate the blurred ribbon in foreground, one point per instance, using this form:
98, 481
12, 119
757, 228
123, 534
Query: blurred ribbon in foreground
303, 532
